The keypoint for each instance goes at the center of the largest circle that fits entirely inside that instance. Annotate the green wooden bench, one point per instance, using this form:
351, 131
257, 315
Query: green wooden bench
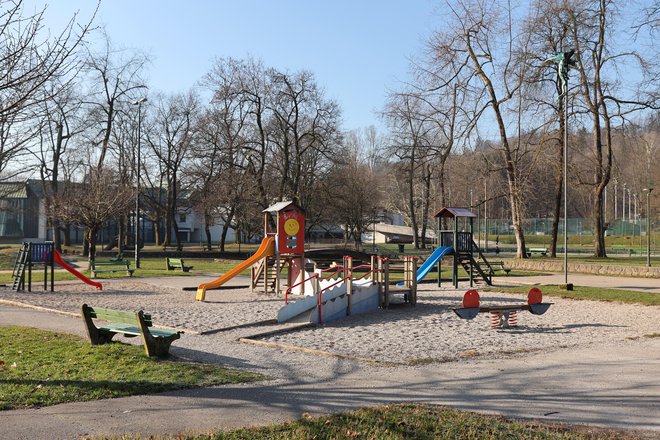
111, 266
623, 248
540, 251
156, 341
498, 265
177, 263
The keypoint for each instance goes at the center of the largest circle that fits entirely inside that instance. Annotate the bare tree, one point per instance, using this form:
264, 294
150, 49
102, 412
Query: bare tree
61, 120
481, 48
29, 59
115, 78
92, 202
411, 131
597, 60
305, 132
171, 139
353, 189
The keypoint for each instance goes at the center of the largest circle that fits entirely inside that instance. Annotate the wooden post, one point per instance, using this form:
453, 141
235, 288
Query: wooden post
413, 287
277, 275
348, 272
454, 275
471, 250
266, 275
386, 283
378, 279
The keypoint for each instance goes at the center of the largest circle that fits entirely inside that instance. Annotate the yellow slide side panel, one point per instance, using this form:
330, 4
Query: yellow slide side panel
266, 249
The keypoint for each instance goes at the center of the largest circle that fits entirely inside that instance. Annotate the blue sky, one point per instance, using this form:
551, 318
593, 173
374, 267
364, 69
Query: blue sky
357, 49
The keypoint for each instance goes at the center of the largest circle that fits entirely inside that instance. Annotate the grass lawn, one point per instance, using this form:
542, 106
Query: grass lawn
590, 293
149, 267
408, 421
40, 368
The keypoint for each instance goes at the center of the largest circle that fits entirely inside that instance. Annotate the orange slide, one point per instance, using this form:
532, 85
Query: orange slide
58, 259
266, 249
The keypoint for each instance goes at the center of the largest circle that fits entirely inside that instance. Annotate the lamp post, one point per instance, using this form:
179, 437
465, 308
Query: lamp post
648, 225
564, 61
139, 103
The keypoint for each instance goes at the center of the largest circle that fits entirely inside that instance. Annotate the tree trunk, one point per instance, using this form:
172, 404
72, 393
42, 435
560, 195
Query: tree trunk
411, 200
156, 227
208, 220
67, 235
85, 251
427, 199
90, 239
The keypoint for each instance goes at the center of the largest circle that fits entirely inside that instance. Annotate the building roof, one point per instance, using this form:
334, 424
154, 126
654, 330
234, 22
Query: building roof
386, 229
279, 206
454, 212
13, 190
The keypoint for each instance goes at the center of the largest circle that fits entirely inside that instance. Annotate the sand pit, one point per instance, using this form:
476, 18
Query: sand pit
427, 333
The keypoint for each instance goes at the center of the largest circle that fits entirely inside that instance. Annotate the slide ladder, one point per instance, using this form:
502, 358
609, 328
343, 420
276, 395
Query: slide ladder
18, 273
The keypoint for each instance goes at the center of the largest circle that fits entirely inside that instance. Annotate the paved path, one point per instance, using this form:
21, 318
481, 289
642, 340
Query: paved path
615, 385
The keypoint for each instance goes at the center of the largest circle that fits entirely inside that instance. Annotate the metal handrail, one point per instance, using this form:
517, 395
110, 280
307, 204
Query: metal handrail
337, 270
286, 293
320, 295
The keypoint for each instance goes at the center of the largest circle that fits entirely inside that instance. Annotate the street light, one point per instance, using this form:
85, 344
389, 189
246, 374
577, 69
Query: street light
565, 60
139, 103
648, 225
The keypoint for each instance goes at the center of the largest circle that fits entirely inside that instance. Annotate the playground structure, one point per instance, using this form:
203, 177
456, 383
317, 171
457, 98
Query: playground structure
44, 254
344, 290
502, 316
316, 295
458, 242
283, 247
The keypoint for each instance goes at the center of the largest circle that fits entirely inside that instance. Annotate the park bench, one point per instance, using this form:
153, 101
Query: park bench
156, 341
540, 251
623, 248
497, 265
111, 266
177, 263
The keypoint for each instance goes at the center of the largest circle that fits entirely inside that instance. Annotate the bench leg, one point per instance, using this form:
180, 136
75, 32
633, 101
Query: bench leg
158, 347
96, 336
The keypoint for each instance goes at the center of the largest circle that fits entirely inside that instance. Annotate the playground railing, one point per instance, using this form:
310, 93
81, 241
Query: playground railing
366, 274
320, 295
335, 271
286, 293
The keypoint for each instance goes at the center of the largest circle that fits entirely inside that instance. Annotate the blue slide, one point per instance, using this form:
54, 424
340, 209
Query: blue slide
432, 260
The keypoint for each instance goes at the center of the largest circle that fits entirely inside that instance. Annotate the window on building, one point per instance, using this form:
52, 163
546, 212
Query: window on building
182, 218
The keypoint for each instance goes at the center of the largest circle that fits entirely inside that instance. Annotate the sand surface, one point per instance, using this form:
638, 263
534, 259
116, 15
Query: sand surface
429, 332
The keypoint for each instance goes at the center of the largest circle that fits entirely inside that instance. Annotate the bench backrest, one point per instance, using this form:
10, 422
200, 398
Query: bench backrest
116, 315
111, 263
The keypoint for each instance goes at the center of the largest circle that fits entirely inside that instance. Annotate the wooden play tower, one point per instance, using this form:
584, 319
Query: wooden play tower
289, 234
457, 234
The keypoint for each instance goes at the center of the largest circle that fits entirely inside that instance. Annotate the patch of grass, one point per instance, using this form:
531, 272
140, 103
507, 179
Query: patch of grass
41, 368
589, 293
425, 422
149, 267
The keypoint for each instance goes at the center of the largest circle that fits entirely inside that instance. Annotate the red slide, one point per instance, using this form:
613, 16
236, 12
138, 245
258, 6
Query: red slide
58, 259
